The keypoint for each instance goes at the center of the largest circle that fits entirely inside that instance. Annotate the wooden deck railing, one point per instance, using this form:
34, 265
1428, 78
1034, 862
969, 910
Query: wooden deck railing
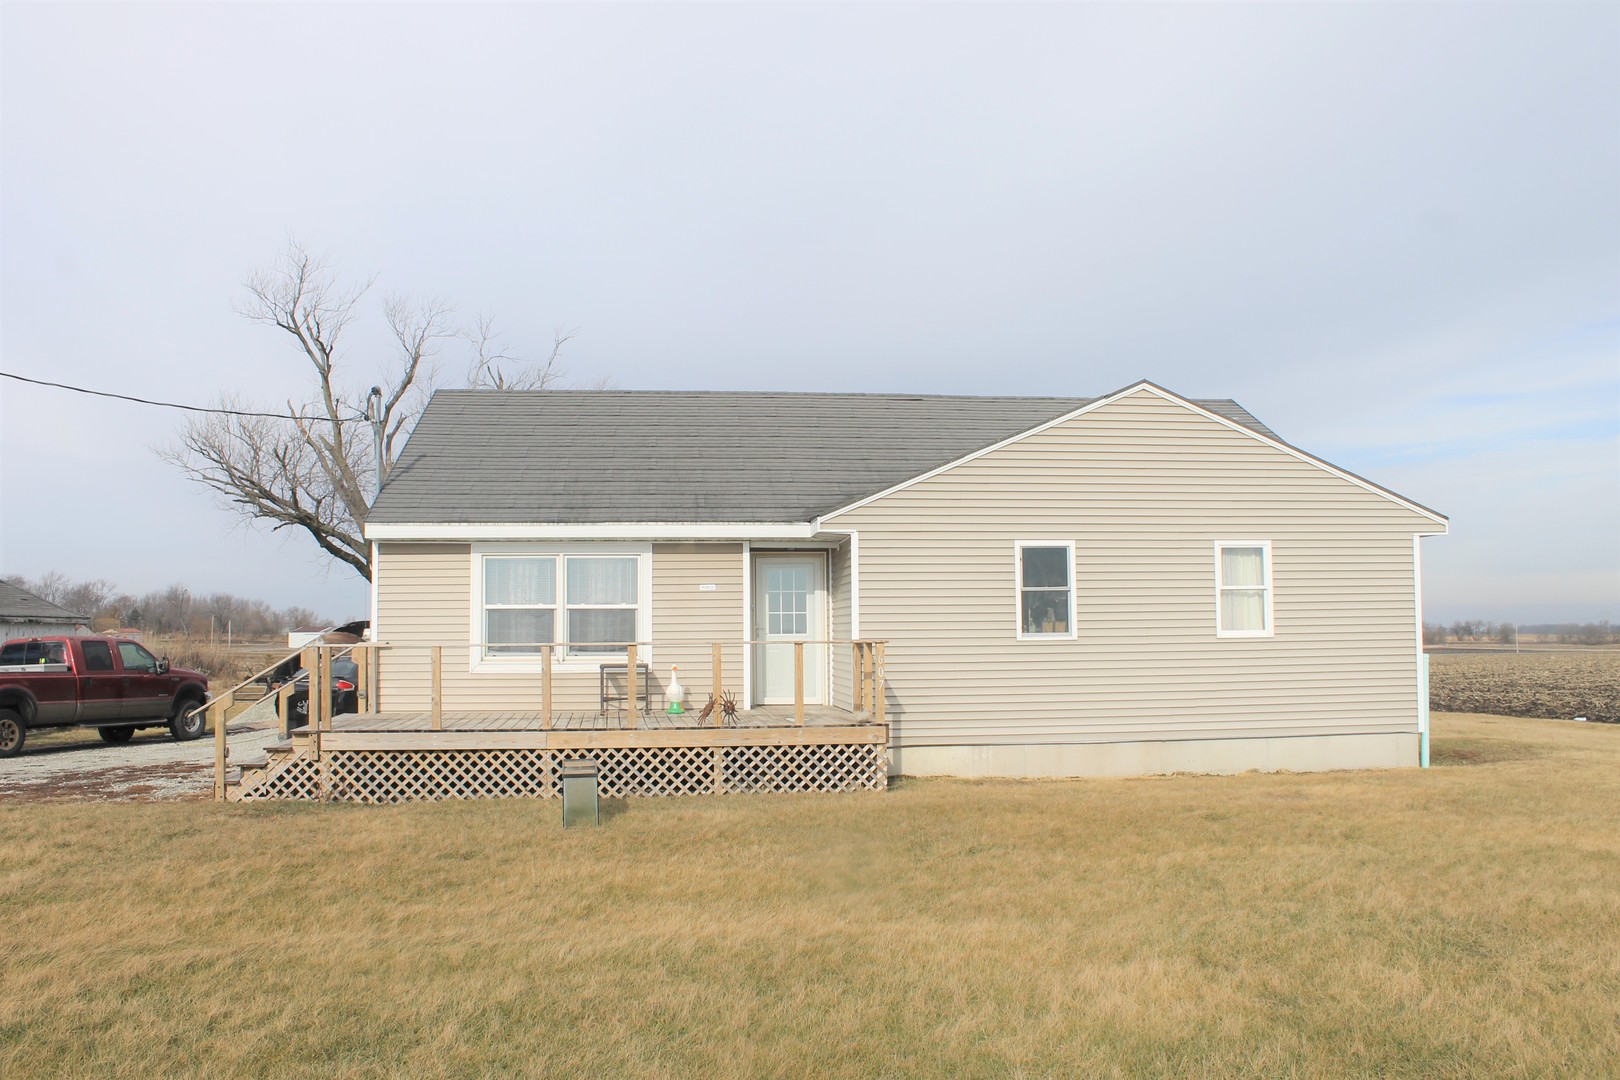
865, 674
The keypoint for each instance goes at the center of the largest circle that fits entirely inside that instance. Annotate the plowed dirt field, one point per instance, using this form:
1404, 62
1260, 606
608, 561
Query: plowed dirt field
1556, 685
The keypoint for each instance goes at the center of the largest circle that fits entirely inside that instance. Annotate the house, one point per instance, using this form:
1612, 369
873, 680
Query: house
23, 614
1136, 583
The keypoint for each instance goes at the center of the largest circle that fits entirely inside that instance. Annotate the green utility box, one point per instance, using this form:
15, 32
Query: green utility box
580, 803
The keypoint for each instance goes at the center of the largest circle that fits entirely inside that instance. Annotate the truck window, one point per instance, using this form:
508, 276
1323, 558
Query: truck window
136, 658
97, 656
33, 652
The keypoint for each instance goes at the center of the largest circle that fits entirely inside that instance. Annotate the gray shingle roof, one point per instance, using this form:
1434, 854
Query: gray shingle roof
573, 457
20, 605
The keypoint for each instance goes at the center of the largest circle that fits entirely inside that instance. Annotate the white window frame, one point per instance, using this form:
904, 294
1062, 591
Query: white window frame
1018, 591
566, 659
1270, 629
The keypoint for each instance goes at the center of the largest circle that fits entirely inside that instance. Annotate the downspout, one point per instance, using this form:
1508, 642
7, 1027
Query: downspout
1422, 657
1423, 710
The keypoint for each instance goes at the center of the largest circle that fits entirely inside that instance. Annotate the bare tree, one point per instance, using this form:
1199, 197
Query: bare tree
315, 470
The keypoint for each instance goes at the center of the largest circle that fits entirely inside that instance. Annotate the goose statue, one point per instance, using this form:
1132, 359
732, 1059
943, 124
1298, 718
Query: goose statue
677, 692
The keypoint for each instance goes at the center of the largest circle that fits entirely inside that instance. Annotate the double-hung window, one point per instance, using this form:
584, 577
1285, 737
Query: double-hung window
1243, 588
591, 602
1045, 589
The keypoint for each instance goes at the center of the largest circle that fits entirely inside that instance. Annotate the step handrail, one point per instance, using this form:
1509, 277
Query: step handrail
217, 705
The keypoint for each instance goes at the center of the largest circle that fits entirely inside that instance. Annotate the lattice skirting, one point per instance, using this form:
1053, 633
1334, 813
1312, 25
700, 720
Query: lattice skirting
387, 776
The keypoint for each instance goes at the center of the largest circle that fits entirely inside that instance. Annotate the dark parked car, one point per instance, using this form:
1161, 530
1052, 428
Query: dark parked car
345, 694
345, 678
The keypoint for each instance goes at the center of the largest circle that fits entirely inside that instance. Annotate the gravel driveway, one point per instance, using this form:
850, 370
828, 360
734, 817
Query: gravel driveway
150, 766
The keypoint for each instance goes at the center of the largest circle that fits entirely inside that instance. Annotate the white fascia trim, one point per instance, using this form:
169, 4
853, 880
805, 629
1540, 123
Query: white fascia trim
700, 530
1147, 387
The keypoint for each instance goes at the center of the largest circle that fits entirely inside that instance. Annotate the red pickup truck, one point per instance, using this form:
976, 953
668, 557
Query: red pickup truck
113, 685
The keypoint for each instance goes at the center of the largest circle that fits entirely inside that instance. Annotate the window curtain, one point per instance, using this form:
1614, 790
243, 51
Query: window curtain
602, 581
1243, 594
520, 582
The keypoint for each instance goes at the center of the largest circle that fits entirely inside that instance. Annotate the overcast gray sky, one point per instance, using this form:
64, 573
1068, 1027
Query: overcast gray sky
1391, 231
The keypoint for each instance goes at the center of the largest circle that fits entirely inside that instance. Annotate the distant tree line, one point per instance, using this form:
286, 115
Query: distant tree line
1504, 633
171, 611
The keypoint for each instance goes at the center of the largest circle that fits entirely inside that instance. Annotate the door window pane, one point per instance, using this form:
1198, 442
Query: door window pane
97, 657
787, 601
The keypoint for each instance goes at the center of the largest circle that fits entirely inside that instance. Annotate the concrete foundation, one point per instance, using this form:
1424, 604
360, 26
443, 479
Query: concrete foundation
1317, 753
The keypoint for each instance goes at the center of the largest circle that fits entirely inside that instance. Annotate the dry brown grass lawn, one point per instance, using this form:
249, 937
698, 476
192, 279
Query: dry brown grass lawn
1460, 921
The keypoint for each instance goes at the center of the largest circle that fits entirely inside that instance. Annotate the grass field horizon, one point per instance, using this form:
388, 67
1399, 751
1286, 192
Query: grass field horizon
1457, 921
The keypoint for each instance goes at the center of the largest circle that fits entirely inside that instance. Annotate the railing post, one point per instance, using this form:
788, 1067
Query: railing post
326, 689
798, 682
437, 703
374, 680
879, 679
283, 692
545, 687
217, 715
310, 660
362, 684
717, 714
855, 676
630, 682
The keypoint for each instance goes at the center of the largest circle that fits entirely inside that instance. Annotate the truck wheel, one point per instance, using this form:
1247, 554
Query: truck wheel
12, 733
118, 736
189, 720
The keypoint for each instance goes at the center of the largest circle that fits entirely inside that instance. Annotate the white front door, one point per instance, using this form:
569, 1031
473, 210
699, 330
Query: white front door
789, 602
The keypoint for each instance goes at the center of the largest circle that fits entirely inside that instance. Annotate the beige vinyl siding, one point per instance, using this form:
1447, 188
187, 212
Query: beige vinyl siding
841, 661
425, 598
1143, 487
688, 620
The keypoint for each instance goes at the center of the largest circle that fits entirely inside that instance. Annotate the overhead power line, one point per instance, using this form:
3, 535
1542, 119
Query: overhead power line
176, 405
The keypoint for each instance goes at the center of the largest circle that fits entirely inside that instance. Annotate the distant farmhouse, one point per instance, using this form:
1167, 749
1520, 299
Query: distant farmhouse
22, 614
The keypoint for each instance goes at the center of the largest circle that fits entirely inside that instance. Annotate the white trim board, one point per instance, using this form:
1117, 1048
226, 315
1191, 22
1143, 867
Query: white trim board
854, 579
1158, 391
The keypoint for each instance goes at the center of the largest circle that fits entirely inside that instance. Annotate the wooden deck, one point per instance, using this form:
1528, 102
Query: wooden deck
765, 716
